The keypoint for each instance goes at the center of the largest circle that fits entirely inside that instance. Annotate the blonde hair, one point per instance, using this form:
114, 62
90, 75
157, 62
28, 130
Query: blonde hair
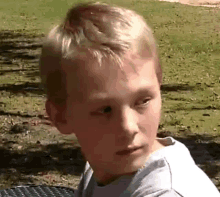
102, 30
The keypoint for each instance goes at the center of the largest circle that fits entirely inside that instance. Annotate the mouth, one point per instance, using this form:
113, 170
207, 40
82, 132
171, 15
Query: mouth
127, 151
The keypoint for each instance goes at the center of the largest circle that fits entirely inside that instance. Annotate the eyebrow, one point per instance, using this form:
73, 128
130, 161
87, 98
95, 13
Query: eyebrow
101, 96
98, 96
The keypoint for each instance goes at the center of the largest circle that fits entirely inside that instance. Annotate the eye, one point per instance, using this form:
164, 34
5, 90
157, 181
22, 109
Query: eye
105, 110
144, 102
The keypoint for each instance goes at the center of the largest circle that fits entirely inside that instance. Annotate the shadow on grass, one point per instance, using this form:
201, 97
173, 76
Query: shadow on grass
209, 107
15, 45
3, 72
51, 158
3, 113
19, 166
176, 87
19, 55
24, 88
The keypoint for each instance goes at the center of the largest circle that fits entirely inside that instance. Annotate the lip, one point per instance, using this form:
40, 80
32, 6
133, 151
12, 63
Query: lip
127, 151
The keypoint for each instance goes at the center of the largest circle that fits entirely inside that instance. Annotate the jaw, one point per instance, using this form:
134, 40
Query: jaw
156, 146
103, 177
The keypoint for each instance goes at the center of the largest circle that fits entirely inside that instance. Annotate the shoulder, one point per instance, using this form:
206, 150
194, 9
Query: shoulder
84, 180
187, 178
155, 178
171, 171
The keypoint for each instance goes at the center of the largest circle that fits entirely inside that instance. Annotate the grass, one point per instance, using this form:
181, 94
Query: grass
188, 41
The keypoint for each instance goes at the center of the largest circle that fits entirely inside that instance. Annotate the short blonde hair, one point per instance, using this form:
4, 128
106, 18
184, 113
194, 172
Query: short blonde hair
102, 30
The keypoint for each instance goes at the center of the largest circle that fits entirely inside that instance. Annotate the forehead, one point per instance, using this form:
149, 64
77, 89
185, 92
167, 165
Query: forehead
131, 64
89, 78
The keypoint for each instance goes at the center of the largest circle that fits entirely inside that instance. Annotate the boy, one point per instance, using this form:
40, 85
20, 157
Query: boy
102, 75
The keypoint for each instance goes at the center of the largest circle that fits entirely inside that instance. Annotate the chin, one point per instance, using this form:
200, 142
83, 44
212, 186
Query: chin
133, 166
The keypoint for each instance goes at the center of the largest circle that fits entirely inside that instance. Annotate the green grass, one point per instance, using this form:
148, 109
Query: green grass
188, 41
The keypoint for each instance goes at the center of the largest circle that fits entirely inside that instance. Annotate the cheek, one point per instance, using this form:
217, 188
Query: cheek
90, 136
151, 119
155, 110
96, 147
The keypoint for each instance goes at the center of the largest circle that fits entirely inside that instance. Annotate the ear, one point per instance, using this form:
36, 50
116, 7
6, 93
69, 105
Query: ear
56, 115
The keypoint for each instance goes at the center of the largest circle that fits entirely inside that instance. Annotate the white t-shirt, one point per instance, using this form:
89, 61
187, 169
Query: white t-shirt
169, 172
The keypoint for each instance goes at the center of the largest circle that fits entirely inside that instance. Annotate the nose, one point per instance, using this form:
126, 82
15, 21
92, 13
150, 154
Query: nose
128, 124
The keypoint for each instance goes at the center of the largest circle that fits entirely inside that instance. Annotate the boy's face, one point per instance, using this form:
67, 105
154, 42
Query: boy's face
114, 116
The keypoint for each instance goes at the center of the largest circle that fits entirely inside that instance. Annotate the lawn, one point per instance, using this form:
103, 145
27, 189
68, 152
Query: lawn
188, 41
